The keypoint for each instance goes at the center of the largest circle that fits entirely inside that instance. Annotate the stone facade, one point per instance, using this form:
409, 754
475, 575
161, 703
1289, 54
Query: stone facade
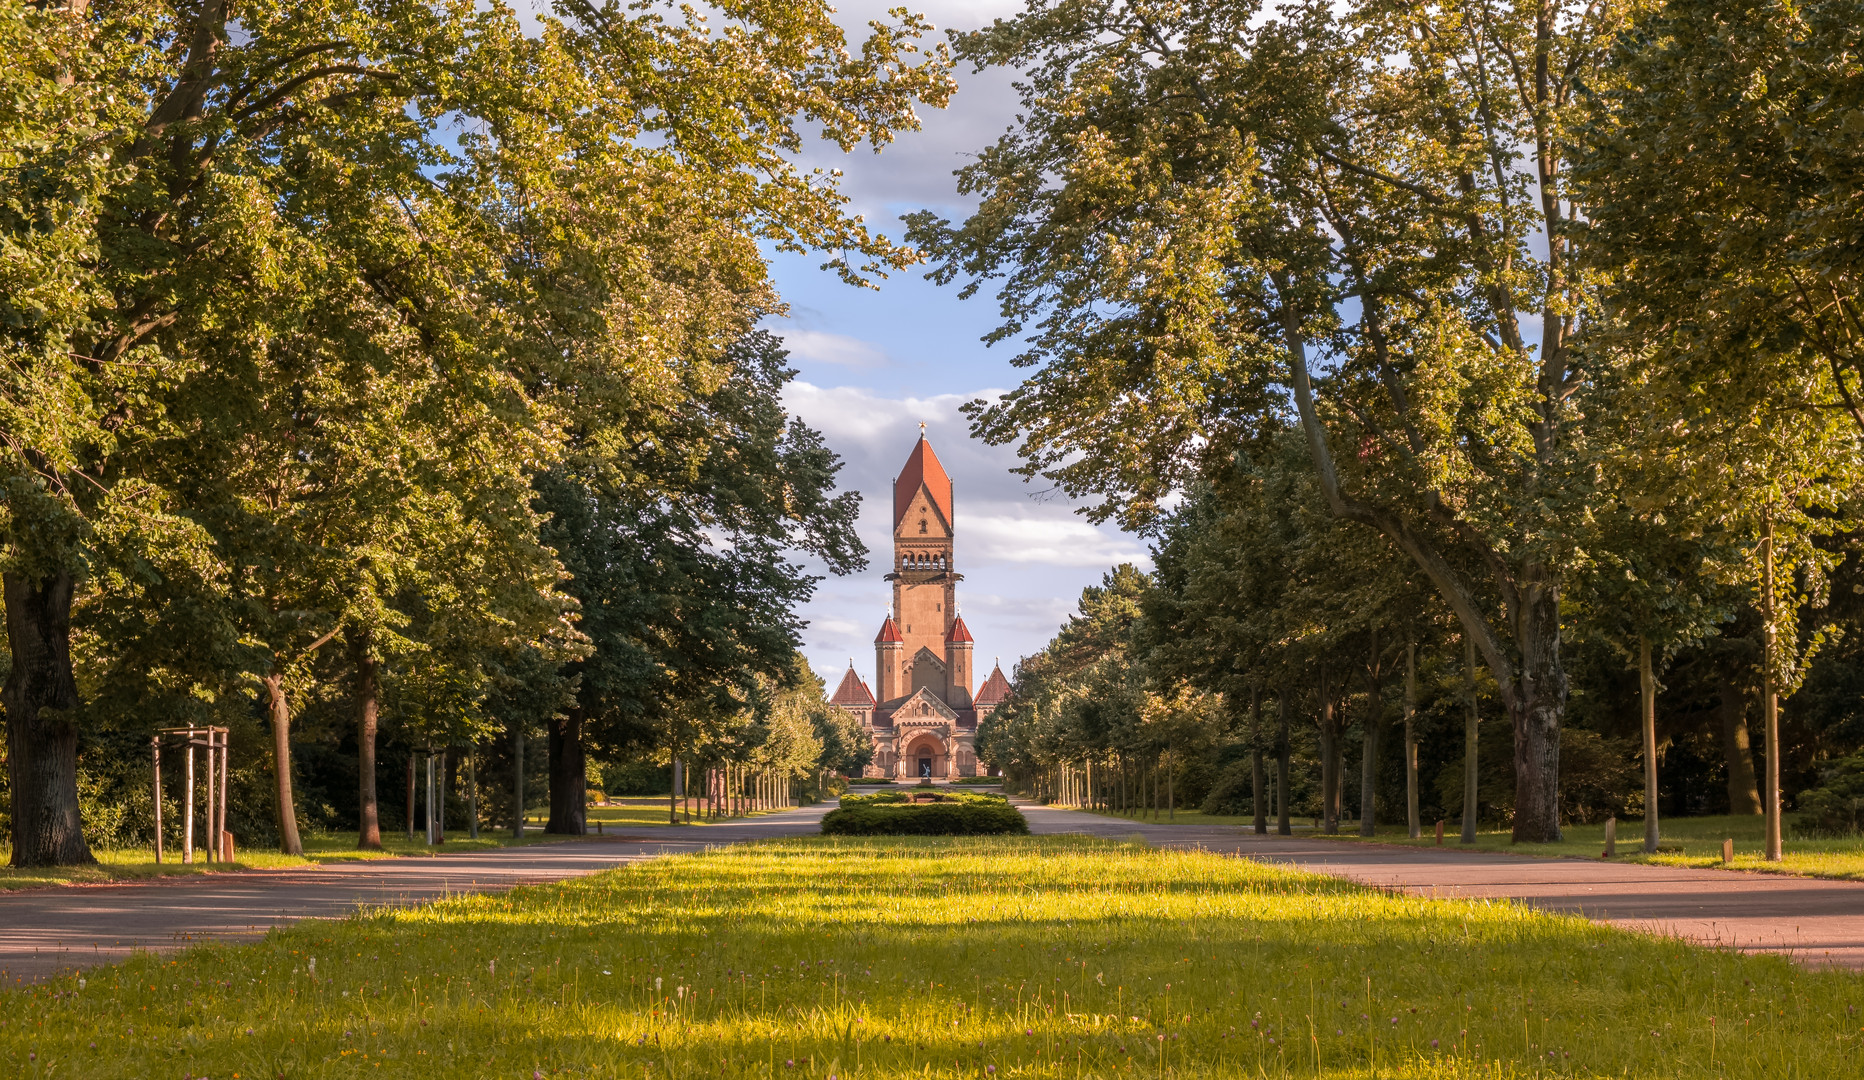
923, 721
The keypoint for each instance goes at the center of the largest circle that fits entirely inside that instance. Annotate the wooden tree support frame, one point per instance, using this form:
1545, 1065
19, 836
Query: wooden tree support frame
214, 741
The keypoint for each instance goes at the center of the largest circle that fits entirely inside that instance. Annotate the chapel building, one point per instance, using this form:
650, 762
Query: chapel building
920, 711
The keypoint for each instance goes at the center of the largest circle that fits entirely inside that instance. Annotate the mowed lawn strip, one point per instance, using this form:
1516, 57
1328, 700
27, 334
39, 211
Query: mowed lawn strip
1687, 841
943, 957
1690, 841
322, 848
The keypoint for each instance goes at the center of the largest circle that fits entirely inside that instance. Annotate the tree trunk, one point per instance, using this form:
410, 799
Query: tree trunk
517, 781
569, 775
1257, 786
368, 710
472, 792
1413, 826
1538, 703
1737, 751
41, 699
1770, 702
1282, 752
1471, 777
411, 757
1329, 759
280, 709
1369, 744
1647, 693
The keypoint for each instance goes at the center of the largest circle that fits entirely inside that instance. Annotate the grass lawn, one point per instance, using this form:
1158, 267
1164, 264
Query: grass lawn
1192, 817
1700, 839
620, 817
1062, 957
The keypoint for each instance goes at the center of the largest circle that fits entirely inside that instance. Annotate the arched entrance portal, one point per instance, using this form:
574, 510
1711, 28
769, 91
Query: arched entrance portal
924, 756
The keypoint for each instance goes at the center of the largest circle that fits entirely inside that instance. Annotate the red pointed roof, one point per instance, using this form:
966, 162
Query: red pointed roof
959, 631
889, 633
852, 691
994, 690
922, 468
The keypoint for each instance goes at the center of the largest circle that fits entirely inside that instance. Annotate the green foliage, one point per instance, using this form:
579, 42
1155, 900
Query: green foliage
310, 316
1836, 806
890, 798
981, 817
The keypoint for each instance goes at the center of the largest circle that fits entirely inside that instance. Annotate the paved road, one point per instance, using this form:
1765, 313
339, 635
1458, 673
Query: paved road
1814, 922
46, 931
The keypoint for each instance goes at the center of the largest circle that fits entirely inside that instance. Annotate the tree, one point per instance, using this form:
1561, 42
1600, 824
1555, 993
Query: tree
1201, 198
207, 203
683, 575
1719, 166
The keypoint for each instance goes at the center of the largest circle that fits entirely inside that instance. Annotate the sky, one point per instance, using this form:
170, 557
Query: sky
873, 364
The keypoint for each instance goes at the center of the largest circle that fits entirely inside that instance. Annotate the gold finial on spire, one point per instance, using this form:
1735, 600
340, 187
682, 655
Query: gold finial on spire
922, 429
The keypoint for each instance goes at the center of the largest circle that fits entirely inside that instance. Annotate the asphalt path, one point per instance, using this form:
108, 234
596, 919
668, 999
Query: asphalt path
1812, 921
45, 932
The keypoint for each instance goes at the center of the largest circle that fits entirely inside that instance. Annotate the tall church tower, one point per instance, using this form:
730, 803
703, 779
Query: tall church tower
925, 583
923, 719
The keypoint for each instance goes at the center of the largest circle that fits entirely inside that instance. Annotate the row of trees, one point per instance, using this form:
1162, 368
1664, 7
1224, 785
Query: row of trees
395, 360
1281, 663
1556, 304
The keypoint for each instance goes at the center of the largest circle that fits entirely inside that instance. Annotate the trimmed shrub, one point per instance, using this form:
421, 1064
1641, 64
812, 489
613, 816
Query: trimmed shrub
952, 818
887, 798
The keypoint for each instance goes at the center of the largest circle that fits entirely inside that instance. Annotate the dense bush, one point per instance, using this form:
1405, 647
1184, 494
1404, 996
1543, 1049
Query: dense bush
1836, 806
886, 798
1233, 794
952, 818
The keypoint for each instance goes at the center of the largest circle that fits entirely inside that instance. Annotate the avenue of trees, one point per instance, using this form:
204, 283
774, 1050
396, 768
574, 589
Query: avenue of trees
382, 378
1507, 354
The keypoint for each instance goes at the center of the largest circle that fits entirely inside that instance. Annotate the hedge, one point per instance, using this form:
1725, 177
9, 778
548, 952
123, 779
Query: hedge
880, 798
926, 819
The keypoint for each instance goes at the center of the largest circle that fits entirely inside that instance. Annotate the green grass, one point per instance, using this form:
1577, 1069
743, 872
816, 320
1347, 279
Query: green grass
1184, 816
130, 864
1047, 957
1700, 839
319, 848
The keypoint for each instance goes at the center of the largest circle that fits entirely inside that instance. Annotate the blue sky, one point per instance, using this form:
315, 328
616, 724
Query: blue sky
874, 363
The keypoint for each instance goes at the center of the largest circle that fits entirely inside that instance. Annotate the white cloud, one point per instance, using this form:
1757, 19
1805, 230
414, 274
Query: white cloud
1056, 542
826, 348
1024, 552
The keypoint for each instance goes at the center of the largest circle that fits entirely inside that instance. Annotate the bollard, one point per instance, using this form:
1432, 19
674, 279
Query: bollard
226, 845
1439, 832
1728, 851
1611, 837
